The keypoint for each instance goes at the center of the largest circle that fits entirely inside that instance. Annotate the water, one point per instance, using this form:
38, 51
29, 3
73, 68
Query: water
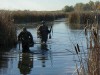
60, 59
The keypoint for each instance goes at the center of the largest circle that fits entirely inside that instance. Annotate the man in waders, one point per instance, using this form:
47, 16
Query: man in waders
42, 33
27, 40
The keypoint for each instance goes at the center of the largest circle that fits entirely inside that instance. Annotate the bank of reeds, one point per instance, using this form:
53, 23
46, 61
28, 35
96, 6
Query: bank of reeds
36, 16
89, 63
74, 17
83, 17
7, 30
94, 52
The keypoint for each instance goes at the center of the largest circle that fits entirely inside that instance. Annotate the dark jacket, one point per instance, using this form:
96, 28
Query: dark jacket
25, 37
43, 30
42, 33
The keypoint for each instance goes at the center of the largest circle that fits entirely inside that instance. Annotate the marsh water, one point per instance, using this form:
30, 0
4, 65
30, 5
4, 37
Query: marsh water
59, 59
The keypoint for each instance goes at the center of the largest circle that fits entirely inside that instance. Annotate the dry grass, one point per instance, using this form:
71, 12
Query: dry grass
7, 30
94, 54
91, 64
36, 16
83, 17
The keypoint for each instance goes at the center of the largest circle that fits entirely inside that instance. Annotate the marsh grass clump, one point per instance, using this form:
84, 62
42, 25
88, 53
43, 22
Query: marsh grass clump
7, 30
89, 58
83, 17
94, 53
74, 18
90, 65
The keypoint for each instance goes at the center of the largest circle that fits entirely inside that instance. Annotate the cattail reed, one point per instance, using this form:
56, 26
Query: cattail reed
93, 61
76, 49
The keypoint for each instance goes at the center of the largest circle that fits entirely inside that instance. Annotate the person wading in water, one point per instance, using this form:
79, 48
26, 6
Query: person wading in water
42, 32
27, 39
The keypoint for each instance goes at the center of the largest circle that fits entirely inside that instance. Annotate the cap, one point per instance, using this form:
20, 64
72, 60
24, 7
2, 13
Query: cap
24, 28
43, 22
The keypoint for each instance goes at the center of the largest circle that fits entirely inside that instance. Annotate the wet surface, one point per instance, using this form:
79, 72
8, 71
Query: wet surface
59, 59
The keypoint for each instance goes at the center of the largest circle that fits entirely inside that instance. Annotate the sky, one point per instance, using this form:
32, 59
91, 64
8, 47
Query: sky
38, 5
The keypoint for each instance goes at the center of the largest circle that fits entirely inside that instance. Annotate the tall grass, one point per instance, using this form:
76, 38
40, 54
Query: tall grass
7, 30
90, 65
83, 17
94, 53
74, 17
36, 16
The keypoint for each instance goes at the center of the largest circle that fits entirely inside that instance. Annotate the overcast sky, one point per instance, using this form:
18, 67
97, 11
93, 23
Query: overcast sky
38, 5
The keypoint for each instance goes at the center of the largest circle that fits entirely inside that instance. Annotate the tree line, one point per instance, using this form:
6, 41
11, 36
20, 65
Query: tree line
90, 6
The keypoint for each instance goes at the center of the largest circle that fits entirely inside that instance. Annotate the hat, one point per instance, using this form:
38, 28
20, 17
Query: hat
24, 28
43, 22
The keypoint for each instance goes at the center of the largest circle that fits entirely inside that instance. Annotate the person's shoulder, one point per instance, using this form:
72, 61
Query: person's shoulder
39, 27
21, 32
28, 32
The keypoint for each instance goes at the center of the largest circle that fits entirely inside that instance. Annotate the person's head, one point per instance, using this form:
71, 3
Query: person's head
43, 22
24, 29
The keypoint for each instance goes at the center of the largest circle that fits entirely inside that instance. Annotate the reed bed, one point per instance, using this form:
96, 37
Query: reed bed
74, 17
7, 30
94, 53
83, 17
36, 16
90, 65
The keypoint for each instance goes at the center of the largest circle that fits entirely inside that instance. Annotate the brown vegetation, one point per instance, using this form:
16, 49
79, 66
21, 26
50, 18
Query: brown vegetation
84, 17
94, 53
74, 17
7, 30
91, 64
36, 16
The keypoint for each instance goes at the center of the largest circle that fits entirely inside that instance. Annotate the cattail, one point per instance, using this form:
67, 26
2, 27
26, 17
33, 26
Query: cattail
78, 48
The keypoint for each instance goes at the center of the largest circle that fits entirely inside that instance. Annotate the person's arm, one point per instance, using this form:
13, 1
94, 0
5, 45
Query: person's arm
19, 39
19, 36
31, 40
50, 29
39, 31
30, 35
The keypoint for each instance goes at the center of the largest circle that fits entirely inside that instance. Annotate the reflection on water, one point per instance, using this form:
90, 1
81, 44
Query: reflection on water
44, 46
3, 59
25, 63
53, 58
43, 57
